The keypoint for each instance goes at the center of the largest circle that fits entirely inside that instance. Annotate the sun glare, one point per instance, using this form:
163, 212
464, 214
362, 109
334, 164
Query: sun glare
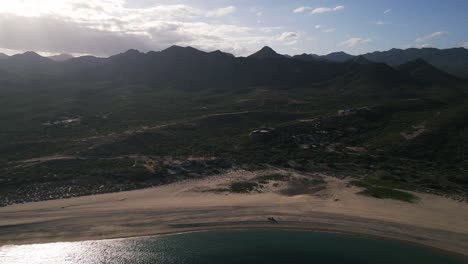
42, 253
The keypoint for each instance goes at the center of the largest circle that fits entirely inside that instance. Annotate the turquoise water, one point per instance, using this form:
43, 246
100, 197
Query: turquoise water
230, 247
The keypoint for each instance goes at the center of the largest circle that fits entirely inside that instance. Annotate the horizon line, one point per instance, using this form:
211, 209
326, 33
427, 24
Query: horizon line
218, 50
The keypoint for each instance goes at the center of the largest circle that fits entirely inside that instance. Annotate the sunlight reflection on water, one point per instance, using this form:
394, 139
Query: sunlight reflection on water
106, 251
228, 247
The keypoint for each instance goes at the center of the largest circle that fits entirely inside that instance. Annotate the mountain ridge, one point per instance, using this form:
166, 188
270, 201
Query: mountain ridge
187, 64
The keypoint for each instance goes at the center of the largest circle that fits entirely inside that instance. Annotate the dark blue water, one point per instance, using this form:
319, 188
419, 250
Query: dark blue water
230, 247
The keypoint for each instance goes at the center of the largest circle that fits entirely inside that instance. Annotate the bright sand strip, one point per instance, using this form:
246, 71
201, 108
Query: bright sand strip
184, 206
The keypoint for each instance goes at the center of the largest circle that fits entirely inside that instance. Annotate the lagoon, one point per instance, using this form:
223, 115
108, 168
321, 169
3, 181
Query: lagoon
236, 246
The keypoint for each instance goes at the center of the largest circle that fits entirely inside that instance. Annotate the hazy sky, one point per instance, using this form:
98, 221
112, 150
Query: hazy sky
106, 27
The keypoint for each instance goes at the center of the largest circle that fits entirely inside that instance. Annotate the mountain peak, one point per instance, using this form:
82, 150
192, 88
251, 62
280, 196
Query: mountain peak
339, 53
29, 57
266, 53
132, 51
172, 48
175, 48
267, 49
130, 54
178, 51
28, 54
221, 53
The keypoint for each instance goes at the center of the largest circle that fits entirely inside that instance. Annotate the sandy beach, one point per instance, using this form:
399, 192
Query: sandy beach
189, 205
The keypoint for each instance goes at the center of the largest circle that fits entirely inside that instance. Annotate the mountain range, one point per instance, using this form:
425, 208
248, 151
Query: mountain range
453, 61
182, 65
397, 121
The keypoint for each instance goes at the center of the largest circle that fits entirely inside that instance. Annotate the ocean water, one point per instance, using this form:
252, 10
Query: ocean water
248, 246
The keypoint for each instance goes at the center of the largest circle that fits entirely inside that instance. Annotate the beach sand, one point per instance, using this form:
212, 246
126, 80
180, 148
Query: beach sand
189, 206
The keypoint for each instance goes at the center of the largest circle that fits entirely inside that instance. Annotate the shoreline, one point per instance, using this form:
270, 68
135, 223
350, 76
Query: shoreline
299, 229
434, 221
296, 227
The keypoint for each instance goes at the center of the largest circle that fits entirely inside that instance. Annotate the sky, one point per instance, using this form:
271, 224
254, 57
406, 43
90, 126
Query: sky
241, 27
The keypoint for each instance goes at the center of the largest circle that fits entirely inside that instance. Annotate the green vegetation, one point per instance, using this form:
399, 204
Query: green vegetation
387, 193
244, 187
384, 190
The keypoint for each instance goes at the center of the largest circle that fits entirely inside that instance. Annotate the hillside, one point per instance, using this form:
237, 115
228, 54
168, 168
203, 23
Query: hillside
454, 61
422, 71
93, 125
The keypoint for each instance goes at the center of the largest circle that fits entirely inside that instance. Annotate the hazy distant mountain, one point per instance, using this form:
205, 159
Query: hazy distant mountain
454, 61
266, 53
337, 57
307, 57
28, 62
61, 57
333, 57
86, 61
28, 56
3, 56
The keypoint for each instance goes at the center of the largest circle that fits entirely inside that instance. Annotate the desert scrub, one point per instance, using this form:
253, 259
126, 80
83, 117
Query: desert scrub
387, 193
273, 177
244, 187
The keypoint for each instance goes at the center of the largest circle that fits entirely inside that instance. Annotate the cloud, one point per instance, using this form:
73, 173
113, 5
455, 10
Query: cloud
318, 10
388, 11
321, 10
57, 36
431, 36
288, 36
107, 27
425, 45
465, 44
325, 29
380, 23
220, 12
352, 42
301, 9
